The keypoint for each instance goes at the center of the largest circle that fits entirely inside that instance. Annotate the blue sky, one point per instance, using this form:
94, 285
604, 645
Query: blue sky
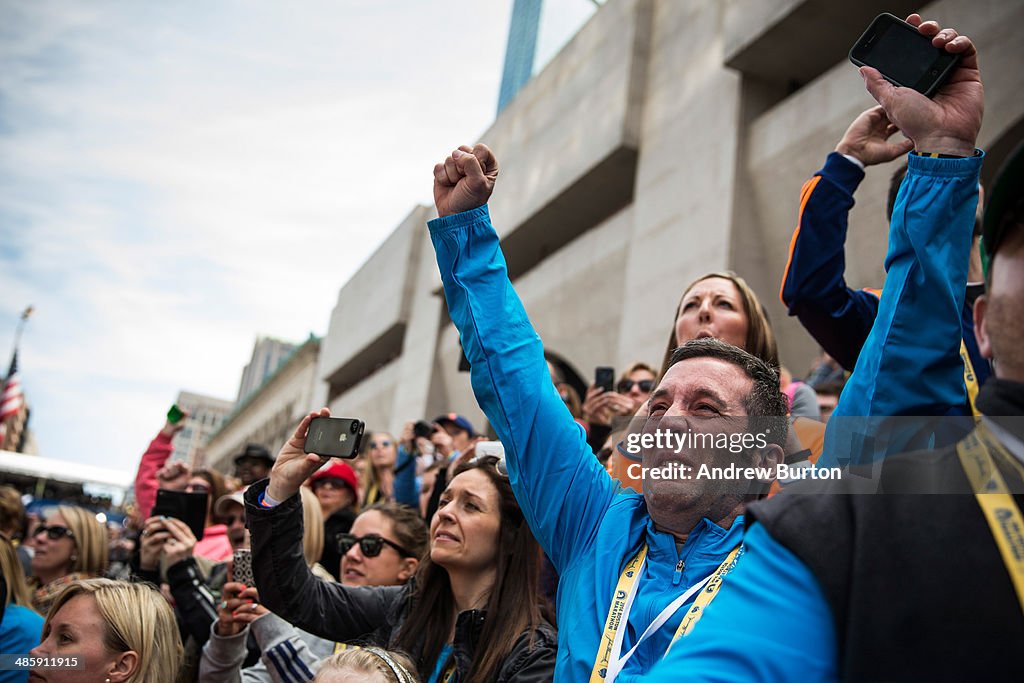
177, 178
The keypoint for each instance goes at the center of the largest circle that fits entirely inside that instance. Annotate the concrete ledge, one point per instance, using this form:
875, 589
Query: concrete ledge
793, 41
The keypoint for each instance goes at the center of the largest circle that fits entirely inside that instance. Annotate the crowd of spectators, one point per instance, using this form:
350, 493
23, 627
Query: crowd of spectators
550, 551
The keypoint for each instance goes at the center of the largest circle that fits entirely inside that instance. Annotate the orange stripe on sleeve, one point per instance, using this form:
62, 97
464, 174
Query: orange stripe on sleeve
805, 194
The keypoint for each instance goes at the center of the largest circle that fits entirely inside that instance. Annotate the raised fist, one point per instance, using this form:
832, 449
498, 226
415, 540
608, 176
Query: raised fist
465, 179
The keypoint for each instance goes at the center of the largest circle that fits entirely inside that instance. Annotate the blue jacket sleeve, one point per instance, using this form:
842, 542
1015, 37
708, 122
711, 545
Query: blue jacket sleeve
813, 286
562, 489
404, 486
770, 622
910, 364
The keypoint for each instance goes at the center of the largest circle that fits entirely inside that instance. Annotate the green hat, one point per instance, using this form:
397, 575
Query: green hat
1005, 209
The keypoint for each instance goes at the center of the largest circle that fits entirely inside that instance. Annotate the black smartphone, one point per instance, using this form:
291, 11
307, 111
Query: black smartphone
334, 436
187, 507
423, 429
604, 377
902, 55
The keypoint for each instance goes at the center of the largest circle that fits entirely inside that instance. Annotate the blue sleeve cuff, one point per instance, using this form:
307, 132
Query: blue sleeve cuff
459, 220
945, 168
842, 172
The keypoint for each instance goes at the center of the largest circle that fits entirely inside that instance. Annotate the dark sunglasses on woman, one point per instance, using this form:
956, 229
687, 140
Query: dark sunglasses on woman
370, 545
54, 533
627, 384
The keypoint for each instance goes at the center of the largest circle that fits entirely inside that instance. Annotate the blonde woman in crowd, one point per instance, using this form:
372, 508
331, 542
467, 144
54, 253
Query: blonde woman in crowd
721, 305
121, 632
381, 452
368, 665
71, 544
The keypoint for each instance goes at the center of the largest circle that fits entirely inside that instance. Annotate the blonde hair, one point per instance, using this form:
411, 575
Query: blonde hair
12, 512
136, 619
90, 537
760, 339
370, 478
17, 588
312, 527
370, 660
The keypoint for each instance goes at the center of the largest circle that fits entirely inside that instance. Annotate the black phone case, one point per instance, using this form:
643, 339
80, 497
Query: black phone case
938, 77
338, 437
190, 508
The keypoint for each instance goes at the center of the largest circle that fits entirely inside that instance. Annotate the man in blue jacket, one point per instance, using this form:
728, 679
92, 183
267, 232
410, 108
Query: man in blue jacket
897, 585
631, 566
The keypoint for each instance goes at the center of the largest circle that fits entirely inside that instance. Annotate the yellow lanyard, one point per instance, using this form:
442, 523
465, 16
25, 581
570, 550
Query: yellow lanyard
708, 594
623, 590
341, 647
970, 379
990, 490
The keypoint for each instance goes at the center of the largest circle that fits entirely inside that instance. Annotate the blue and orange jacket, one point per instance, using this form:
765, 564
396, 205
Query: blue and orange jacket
815, 291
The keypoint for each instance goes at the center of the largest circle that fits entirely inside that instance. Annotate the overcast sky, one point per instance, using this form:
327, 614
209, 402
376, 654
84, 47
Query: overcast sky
177, 178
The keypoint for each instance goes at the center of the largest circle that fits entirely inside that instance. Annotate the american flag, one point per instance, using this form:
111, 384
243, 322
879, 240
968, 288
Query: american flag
12, 399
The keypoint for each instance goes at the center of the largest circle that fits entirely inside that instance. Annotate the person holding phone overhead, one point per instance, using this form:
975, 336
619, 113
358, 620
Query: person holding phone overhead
472, 612
898, 585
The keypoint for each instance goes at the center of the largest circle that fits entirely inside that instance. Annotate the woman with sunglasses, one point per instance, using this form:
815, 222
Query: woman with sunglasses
384, 546
601, 407
381, 453
70, 545
383, 549
471, 613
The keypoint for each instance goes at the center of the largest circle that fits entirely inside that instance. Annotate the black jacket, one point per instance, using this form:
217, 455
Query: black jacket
907, 562
372, 615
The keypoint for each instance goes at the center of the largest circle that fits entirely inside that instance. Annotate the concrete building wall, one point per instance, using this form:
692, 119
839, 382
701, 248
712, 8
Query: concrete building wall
267, 356
668, 139
269, 415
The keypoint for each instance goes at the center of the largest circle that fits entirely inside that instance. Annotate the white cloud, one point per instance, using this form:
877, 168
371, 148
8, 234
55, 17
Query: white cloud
176, 178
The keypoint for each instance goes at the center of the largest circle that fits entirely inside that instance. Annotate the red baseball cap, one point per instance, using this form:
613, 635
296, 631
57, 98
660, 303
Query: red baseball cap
337, 470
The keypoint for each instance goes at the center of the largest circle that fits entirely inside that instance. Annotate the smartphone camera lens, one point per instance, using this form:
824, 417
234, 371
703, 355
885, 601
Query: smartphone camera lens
354, 427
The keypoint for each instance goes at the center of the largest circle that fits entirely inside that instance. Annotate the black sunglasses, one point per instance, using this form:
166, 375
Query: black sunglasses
54, 533
627, 384
370, 545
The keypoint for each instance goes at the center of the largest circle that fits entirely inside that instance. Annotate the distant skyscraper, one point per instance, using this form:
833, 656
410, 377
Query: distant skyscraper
267, 356
205, 415
520, 49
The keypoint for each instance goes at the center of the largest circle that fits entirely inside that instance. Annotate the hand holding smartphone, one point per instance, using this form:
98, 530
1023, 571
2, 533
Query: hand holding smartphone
241, 567
175, 414
604, 377
903, 55
190, 508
